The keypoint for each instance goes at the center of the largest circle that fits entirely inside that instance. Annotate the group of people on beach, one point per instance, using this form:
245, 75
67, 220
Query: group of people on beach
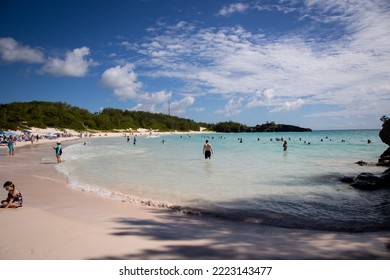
14, 198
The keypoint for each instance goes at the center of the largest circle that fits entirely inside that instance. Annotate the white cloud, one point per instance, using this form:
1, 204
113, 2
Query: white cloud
233, 8
176, 107
232, 108
155, 97
179, 106
74, 64
304, 67
290, 106
200, 109
261, 98
152, 102
123, 80
12, 51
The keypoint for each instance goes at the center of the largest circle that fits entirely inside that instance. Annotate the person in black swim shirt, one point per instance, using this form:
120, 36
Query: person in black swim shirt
207, 150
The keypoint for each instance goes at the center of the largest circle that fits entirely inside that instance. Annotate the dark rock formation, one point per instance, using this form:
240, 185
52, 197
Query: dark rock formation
347, 180
366, 181
384, 134
369, 181
363, 163
385, 178
384, 159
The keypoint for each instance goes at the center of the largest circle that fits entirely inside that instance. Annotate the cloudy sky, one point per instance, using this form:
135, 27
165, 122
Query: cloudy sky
323, 64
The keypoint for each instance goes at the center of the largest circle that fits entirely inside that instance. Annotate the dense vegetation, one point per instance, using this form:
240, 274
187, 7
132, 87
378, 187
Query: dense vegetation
267, 127
61, 115
22, 115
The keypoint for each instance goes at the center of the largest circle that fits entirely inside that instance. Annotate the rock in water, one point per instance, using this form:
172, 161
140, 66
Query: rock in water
385, 179
366, 181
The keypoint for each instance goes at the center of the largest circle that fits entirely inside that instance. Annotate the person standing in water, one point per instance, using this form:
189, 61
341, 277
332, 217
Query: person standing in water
58, 150
285, 146
207, 150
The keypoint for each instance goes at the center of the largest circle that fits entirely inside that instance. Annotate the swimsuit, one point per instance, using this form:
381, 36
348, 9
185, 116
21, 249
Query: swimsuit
207, 154
10, 145
58, 150
17, 198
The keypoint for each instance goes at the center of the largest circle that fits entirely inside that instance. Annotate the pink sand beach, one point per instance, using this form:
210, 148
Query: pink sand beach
60, 223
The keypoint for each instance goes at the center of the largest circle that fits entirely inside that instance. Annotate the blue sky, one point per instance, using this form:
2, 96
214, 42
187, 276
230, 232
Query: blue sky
323, 64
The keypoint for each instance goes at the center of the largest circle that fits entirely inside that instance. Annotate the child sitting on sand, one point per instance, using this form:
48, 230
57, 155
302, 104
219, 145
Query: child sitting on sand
14, 198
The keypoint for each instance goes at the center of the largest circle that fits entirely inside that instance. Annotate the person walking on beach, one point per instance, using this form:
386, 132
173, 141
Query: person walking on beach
207, 150
58, 151
11, 147
14, 198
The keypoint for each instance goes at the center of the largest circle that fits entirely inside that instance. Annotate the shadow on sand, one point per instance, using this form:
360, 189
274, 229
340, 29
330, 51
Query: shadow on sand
208, 238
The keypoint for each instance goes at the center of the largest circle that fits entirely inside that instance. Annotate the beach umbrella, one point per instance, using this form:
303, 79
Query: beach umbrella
26, 131
8, 134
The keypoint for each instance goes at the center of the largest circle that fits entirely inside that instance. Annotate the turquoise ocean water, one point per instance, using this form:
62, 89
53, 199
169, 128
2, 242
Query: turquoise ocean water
254, 181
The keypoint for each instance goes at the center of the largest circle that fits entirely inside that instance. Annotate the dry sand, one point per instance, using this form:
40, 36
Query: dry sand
60, 223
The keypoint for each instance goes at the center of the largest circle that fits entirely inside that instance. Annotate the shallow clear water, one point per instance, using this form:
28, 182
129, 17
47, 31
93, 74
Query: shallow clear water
253, 181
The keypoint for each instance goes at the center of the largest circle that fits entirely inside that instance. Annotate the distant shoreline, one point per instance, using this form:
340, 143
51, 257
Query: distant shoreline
42, 132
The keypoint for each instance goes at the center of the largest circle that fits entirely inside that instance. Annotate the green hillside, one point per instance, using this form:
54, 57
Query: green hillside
41, 114
20, 115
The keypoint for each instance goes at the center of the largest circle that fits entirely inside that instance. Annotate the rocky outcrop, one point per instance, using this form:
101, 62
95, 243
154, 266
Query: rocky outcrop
369, 181
366, 181
384, 134
384, 159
